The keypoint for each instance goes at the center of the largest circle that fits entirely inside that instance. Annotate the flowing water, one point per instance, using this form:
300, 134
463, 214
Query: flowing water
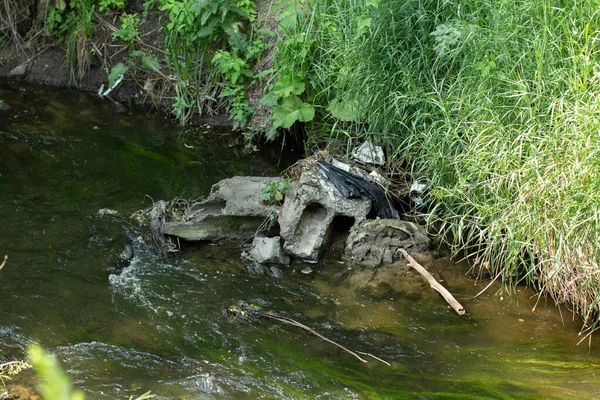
161, 324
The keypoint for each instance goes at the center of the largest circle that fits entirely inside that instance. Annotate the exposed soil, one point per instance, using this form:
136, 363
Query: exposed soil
45, 60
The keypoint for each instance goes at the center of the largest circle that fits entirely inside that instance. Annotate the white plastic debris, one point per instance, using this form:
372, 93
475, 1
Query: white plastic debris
416, 192
417, 187
377, 177
369, 154
338, 164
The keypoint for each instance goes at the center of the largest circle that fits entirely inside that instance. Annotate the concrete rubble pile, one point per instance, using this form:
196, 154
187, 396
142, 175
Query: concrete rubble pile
301, 227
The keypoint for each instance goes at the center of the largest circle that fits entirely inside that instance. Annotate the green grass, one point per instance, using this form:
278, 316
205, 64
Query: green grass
496, 104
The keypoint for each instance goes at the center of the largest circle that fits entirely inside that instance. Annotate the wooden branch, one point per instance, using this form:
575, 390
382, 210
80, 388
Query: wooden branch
243, 310
434, 283
4, 262
289, 321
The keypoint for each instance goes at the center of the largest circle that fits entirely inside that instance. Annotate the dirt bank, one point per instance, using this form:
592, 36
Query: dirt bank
31, 53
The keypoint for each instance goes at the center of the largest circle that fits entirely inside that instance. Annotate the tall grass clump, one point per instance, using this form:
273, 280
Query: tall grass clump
496, 103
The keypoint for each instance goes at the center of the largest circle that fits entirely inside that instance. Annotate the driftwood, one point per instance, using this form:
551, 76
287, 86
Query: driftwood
434, 283
245, 311
4, 262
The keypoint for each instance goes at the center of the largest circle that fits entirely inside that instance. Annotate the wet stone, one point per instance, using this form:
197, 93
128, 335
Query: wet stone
376, 242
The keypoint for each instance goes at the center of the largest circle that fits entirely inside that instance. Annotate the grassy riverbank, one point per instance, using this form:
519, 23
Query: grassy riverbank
494, 103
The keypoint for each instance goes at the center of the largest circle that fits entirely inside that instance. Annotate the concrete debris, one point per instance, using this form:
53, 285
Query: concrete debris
376, 242
308, 213
268, 250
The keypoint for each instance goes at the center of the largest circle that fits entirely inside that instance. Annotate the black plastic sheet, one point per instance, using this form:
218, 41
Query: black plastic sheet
353, 186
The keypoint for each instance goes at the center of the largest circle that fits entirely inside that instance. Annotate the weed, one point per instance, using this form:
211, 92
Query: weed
291, 64
105, 5
191, 28
129, 29
8, 370
274, 192
231, 65
73, 25
53, 382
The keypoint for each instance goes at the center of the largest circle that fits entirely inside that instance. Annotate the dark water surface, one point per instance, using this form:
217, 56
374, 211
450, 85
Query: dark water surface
162, 325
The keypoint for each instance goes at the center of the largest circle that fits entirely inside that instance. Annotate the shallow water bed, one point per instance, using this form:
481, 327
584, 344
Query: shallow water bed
162, 324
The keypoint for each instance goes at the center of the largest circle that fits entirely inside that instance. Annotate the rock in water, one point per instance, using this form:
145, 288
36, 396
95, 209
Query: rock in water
376, 242
267, 250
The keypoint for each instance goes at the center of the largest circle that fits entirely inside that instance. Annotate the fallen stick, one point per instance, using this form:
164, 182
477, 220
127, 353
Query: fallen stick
243, 309
289, 321
4, 262
434, 283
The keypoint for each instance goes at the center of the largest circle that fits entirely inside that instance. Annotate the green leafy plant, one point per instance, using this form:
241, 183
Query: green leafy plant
192, 30
53, 382
274, 192
54, 15
147, 61
236, 71
241, 111
72, 24
115, 74
291, 62
129, 29
105, 5
231, 65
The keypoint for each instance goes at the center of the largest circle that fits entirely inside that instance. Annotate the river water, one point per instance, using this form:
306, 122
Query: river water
161, 324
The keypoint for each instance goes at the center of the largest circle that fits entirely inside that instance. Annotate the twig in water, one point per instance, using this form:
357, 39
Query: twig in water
433, 283
371, 355
488, 285
4, 262
289, 321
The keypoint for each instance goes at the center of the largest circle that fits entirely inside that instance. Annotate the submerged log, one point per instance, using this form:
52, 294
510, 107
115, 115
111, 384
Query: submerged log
4, 262
434, 283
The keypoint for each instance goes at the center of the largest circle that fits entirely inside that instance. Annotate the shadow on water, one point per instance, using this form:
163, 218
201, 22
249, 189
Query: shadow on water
161, 324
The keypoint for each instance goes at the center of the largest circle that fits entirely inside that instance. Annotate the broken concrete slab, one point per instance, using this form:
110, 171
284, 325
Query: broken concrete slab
308, 213
233, 210
268, 250
376, 242
214, 228
240, 196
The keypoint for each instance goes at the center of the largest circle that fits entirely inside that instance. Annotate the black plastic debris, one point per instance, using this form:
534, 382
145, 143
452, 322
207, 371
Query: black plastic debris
353, 186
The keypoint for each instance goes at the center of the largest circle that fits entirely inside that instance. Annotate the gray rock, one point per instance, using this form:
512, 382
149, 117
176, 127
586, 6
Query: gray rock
233, 210
18, 71
369, 154
267, 250
240, 195
308, 212
214, 228
376, 242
